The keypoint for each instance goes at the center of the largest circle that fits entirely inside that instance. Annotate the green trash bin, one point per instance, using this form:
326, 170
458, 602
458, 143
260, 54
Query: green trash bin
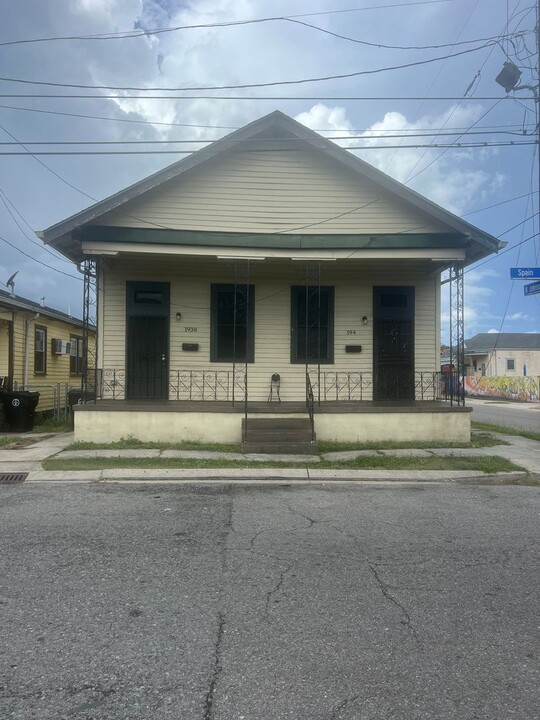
20, 409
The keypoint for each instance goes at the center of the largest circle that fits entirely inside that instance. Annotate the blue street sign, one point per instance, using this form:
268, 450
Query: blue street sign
524, 273
532, 289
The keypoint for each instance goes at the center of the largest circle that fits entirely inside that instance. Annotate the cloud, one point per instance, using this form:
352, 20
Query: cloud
493, 331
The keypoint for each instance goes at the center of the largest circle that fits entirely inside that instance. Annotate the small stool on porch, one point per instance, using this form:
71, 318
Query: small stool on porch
275, 382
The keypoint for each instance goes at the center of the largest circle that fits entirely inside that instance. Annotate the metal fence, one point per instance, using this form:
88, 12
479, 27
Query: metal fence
53, 398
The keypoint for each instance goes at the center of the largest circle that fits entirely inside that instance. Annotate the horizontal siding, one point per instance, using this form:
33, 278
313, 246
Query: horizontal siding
57, 365
190, 295
274, 191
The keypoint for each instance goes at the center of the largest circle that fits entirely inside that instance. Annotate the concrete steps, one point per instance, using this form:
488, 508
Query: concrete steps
291, 436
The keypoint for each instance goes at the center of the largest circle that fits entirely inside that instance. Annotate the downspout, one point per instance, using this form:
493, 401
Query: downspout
28, 322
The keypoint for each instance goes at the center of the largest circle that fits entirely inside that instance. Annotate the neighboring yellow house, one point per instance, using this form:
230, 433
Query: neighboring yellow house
40, 349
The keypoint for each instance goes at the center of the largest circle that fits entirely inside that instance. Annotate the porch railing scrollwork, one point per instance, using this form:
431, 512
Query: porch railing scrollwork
321, 386
199, 385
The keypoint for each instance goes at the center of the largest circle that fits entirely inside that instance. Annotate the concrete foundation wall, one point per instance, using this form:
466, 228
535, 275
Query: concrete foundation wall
172, 427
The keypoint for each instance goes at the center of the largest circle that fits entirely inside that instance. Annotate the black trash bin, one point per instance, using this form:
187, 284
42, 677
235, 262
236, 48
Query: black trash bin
20, 409
76, 396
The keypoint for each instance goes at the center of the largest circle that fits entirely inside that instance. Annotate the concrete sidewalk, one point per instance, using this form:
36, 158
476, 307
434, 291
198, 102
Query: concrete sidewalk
521, 451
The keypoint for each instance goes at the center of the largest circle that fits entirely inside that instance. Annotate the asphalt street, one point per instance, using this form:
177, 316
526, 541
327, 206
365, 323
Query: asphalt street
145, 602
524, 416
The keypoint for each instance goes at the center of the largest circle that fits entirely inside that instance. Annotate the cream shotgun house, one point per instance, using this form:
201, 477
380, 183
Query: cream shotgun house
270, 281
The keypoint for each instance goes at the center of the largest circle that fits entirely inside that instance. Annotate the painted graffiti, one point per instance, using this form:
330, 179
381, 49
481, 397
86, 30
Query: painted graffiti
523, 389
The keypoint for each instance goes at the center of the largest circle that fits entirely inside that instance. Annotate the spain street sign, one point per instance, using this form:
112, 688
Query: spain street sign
532, 289
524, 273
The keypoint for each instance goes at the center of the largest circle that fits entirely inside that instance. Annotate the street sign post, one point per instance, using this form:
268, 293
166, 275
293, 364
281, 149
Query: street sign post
524, 273
532, 289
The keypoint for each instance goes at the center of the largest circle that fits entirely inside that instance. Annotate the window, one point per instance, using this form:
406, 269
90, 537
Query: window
510, 364
312, 324
232, 313
75, 359
40, 350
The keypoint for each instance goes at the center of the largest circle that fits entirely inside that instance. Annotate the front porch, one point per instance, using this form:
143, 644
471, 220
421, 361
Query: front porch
206, 421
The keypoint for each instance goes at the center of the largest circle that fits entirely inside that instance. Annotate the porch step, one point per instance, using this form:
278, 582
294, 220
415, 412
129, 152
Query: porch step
279, 435
272, 448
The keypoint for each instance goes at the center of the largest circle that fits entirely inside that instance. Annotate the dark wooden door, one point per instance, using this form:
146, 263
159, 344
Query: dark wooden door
147, 365
393, 343
147, 341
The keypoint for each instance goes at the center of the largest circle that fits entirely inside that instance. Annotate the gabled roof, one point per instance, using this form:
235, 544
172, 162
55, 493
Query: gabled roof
276, 125
20, 303
484, 342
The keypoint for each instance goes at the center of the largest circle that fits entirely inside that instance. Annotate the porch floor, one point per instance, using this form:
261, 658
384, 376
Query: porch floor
278, 408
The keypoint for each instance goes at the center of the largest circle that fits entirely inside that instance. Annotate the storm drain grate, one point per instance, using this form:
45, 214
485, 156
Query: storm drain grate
11, 478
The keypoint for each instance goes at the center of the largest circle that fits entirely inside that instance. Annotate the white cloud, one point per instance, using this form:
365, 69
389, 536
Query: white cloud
492, 331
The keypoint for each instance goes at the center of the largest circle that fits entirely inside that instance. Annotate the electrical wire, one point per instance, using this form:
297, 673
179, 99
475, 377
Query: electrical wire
452, 146
127, 34
40, 262
248, 86
5, 200
252, 98
286, 140
218, 127
401, 47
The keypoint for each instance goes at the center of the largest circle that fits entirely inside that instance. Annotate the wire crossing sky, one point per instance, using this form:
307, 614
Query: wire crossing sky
97, 94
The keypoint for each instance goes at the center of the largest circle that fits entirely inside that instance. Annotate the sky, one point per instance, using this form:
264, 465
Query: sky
493, 187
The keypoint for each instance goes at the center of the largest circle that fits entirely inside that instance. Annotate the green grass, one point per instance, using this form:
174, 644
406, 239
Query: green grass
130, 443
49, 424
478, 440
6, 441
376, 462
505, 430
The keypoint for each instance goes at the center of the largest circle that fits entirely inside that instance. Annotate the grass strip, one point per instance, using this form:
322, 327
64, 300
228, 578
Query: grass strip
478, 440
505, 430
489, 464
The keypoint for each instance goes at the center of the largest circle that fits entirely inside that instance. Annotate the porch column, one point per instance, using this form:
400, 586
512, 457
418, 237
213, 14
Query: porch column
457, 334
89, 380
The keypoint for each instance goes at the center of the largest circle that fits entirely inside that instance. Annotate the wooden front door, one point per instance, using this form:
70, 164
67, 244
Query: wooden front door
147, 341
393, 343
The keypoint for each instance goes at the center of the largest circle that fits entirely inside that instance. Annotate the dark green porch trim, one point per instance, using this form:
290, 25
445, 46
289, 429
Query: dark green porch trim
152, 236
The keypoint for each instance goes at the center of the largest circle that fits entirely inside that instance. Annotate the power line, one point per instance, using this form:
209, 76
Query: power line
404, 47
5, 200
204, 127
191, 141
246, 86
453, 146
158, 31
503, 202
40, 262
252, 98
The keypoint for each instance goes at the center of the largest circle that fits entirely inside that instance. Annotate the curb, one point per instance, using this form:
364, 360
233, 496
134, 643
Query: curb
271, 476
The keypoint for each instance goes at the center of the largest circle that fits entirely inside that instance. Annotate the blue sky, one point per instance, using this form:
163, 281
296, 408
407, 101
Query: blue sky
464, 180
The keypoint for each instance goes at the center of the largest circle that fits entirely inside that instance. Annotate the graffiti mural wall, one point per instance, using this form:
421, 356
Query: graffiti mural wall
523, 389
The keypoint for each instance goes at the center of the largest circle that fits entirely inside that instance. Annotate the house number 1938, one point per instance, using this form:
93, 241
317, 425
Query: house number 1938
190, 329
351, 332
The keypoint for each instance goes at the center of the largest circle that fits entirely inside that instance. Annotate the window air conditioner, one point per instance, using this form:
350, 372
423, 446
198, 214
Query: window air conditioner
61, 347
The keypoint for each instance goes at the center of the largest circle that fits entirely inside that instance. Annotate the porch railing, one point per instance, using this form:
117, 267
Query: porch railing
321, 386
424, 386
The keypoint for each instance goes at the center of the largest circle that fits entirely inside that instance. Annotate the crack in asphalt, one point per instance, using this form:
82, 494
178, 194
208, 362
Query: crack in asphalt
274, 591
337, 711
216, 670
386, 593
310, 520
